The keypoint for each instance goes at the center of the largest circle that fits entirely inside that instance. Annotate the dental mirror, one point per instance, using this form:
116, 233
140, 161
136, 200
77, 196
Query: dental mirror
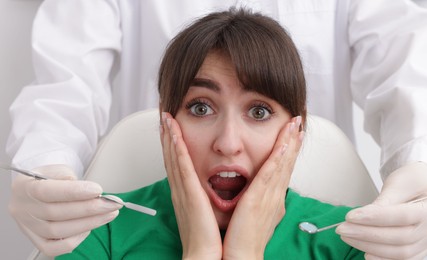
313, 229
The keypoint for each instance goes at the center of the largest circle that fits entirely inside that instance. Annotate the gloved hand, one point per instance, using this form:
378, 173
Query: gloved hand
390, 227
57, 215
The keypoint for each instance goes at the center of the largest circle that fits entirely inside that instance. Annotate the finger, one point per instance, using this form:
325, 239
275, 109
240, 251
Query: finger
166, 149
189, 178
384, 251
69, 228
175, 170
61, 211
372, 257
62, 190
57, 172
291, 153
180, 153
282, 159
55, 247
420, 256
286, 134
382, 235
273, 178
275, 160
186, 176
262, 206
195, 217
383, 216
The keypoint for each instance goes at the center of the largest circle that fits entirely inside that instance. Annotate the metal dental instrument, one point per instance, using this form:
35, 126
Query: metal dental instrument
130, 205
25, 172
313, 229
112, 198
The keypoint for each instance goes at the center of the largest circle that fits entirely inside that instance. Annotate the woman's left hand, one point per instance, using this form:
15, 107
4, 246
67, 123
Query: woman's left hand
262, 206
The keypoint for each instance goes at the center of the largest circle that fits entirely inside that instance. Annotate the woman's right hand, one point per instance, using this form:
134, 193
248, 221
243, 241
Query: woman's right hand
59, 213
197, 224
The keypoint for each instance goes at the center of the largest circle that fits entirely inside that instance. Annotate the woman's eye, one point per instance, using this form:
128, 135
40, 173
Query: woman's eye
259, 113
200, 109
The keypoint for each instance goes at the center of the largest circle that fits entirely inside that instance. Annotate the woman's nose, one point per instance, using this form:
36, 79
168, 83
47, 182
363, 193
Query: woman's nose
229, 138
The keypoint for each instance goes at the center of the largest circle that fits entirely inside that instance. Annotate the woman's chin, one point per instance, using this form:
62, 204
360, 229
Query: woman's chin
223, 219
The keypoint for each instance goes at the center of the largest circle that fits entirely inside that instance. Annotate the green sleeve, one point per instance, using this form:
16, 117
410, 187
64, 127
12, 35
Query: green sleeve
95, 246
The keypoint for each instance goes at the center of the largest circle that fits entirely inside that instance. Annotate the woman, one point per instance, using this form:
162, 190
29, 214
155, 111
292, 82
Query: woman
233, 94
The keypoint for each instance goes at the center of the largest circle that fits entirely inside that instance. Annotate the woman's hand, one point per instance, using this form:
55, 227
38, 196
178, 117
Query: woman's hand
262, 206
197, 224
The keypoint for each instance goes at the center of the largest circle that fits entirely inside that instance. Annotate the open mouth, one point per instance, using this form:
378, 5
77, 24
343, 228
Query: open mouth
227, 185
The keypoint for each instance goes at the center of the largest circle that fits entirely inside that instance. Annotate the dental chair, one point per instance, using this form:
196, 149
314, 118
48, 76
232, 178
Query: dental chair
328, 167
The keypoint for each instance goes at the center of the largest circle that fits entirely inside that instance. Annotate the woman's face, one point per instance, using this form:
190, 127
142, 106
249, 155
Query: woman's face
229, 132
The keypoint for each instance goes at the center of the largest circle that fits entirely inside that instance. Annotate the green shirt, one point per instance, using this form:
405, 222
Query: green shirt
133, 235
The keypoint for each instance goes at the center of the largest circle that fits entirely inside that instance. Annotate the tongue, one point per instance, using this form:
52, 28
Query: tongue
227, 188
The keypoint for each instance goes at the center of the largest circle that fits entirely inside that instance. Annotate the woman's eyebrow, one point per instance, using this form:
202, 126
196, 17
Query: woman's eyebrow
206, 83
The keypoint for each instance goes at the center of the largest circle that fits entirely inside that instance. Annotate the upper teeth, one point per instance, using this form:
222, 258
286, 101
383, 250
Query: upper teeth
228, 174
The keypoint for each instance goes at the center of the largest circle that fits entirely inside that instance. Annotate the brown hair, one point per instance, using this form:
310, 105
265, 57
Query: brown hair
265, 58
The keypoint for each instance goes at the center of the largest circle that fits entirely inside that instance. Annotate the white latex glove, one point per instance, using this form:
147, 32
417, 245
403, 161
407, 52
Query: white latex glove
391, 228
57, 215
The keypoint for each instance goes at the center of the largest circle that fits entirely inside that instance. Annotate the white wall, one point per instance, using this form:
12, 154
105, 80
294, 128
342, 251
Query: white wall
15, 71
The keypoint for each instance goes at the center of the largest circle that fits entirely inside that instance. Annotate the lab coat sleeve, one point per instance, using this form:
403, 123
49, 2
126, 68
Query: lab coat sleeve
60, 116
389, 77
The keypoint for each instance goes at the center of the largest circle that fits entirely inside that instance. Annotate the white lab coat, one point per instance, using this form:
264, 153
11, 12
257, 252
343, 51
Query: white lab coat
372, 52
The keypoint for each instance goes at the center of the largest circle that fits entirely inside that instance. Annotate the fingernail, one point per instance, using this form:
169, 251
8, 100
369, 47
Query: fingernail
346, 231
174, 138
91, 188
169, 122
356, 215
163, 116
111, 205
